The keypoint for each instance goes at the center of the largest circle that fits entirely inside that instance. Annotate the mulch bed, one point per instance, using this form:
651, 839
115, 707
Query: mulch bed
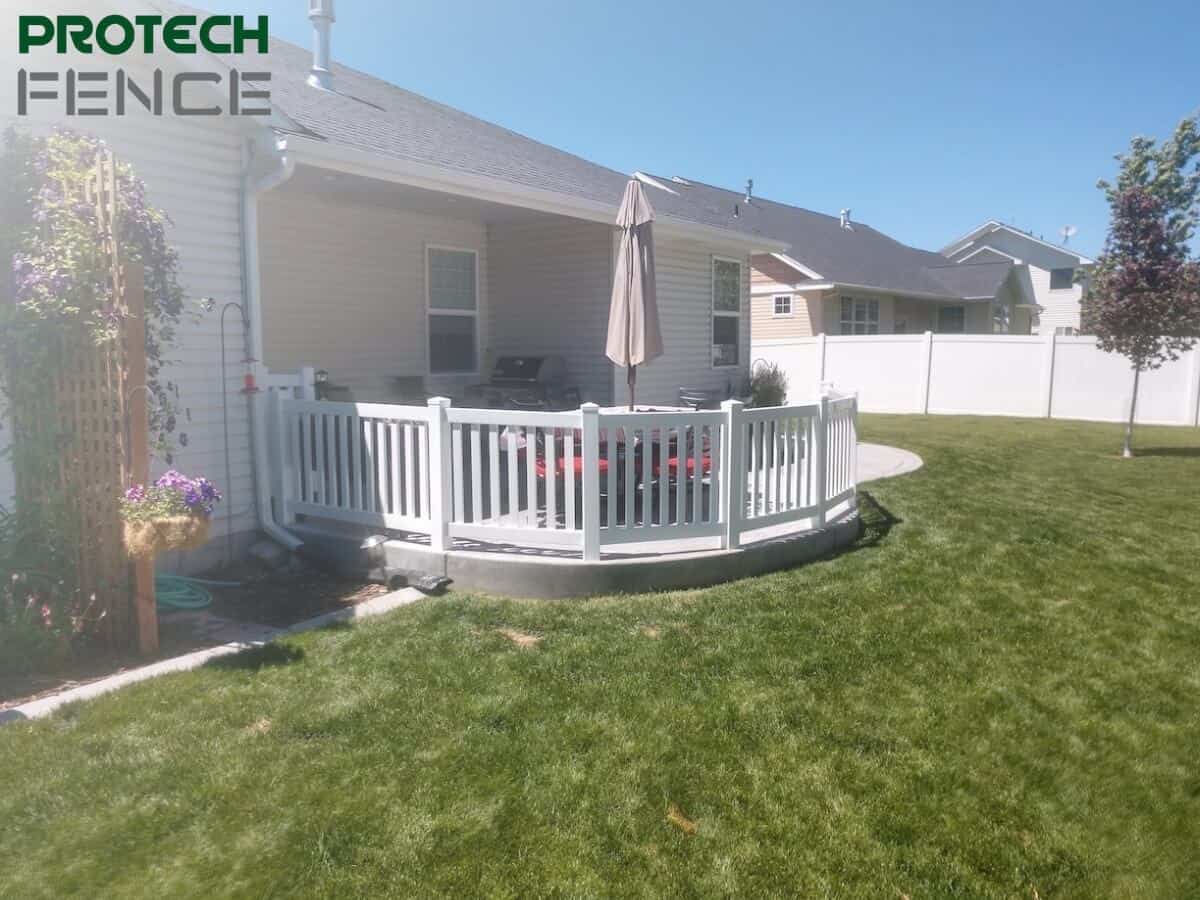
265, 598
284, 599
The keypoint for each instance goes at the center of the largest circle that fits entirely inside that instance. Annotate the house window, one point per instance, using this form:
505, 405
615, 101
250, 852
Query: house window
453, 309
951, 319
860, 316
783, 304
726, 311
1066, 331
1062, 279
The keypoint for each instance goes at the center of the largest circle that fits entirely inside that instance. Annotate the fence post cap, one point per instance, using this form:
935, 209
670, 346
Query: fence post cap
732, 404
592, 408
439, 401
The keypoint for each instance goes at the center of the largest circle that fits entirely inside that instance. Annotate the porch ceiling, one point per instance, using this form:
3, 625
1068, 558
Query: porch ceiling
359, 189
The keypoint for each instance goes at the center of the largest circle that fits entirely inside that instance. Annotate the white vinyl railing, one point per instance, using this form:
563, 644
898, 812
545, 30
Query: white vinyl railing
581, 480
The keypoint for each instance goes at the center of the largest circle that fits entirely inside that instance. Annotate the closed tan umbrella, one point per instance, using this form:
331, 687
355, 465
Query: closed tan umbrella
634, 336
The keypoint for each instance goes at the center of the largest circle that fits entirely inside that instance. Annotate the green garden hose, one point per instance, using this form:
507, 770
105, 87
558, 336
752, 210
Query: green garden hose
177, 592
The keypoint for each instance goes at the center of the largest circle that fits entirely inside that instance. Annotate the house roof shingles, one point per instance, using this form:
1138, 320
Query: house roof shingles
367, 113
857, 255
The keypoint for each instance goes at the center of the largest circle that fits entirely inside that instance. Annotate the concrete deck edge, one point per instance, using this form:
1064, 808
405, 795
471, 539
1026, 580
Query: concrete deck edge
43, 706
517, 574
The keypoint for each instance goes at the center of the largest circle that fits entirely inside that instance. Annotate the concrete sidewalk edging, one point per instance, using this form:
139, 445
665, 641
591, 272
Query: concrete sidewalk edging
43, 706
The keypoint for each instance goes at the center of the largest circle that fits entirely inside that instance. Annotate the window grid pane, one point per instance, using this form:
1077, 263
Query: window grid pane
859, 316
451, 343
727, 285
451, 279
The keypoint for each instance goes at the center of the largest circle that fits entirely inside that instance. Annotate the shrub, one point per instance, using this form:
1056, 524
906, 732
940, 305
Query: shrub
768, 385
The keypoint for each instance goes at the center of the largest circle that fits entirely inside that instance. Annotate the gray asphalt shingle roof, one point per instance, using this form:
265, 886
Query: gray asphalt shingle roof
367, 113
855, 255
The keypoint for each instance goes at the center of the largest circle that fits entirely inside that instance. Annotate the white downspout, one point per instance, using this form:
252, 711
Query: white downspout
252, 186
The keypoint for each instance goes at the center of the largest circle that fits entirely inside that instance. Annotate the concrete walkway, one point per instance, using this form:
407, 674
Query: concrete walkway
876, 461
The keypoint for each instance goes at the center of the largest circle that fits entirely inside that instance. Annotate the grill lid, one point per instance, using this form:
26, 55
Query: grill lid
529, 370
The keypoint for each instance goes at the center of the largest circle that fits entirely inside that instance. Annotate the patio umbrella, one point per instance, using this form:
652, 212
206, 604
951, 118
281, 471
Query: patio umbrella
634, 336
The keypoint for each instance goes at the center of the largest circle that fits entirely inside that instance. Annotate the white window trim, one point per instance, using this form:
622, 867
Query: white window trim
854, 299
714, 312
430, 310
791, 308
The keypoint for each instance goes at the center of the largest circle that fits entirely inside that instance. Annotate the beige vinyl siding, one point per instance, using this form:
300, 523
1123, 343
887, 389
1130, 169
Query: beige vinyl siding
765, 325
684, 270
549, 284
343, 285
192, 170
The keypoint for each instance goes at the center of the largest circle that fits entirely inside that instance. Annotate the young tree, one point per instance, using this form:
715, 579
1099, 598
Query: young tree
1143, 299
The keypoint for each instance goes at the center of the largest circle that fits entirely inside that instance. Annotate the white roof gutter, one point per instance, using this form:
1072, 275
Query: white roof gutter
322, 154
893, 292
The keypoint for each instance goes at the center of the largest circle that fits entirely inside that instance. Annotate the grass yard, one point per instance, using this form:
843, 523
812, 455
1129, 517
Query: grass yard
996, 695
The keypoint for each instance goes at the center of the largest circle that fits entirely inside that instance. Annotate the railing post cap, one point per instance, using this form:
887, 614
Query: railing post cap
732, 404
593, 408
439, 401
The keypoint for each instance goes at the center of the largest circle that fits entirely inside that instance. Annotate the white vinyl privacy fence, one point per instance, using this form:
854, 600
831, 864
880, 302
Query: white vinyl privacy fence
986, 374
584, 481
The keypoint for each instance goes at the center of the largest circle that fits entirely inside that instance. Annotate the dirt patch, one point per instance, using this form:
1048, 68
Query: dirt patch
522, 639
269, 598
263, 597
676, 817
259, 726
651, 631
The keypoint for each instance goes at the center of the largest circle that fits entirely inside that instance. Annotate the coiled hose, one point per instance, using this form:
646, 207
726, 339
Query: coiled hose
178, 592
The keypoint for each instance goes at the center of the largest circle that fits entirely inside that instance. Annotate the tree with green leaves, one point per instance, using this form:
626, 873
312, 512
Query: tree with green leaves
1143, 299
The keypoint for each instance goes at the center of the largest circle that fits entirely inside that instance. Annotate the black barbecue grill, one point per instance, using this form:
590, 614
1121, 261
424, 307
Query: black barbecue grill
526, 382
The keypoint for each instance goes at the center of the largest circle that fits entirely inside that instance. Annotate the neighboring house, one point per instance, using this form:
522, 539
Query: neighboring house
373, 233
1051, 270
839, 276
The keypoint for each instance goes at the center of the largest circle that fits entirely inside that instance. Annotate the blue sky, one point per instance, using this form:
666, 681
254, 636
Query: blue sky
924, 118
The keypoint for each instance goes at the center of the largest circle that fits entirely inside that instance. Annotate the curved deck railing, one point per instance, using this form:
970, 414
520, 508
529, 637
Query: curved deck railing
589, 481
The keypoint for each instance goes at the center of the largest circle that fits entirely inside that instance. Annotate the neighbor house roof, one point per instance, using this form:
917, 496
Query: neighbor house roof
992, 225
368, 114
973, 281
822, 251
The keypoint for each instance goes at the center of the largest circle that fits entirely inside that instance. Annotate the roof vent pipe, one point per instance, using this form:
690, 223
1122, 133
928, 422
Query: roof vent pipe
749, 189
845, 218
320, 12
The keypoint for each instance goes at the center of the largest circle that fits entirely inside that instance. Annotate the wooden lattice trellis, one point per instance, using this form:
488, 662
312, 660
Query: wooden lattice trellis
94, 416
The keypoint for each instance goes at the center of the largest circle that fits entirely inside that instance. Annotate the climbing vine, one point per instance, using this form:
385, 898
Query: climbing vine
61, 298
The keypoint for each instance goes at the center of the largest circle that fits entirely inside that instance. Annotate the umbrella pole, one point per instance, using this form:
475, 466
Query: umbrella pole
632, 379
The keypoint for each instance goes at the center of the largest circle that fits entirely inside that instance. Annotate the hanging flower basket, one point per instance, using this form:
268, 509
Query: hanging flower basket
174, 513
150, 537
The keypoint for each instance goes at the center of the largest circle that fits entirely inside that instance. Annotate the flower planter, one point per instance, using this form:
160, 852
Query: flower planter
149, 537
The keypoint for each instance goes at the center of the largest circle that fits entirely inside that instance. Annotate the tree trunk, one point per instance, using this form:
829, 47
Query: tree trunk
1127, 450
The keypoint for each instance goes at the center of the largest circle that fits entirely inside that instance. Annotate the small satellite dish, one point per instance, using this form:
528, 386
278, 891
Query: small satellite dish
1068, 232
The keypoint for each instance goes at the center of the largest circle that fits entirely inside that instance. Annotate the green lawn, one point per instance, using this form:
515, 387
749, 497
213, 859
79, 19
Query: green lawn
996, 695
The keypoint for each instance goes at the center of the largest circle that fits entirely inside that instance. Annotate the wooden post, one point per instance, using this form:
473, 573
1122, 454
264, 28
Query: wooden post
134, 300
